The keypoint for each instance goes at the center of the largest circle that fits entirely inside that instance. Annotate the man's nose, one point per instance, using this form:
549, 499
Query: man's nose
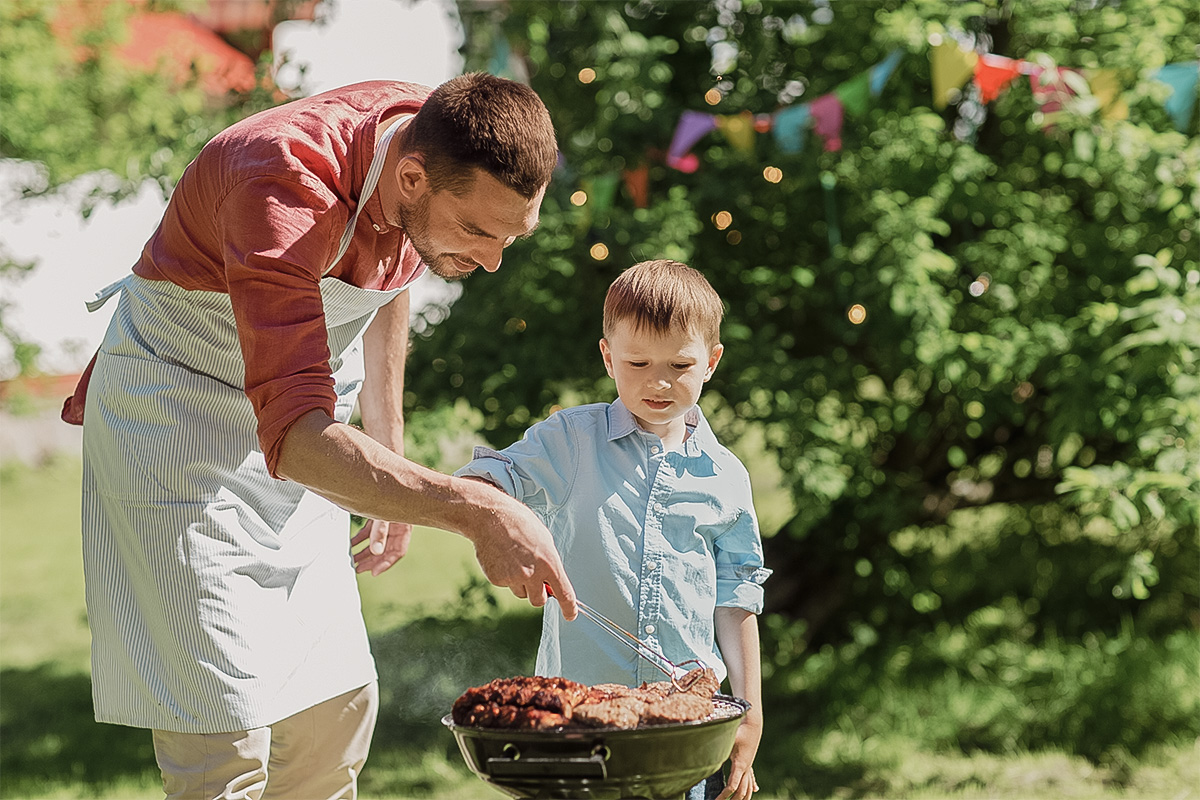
491, 257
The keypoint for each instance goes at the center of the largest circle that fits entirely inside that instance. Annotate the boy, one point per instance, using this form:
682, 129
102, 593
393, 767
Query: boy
652, 516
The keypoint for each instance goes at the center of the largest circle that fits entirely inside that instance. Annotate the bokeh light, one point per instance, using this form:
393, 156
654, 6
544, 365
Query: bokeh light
579, 198
712, 96
773, 174
980, 285
722, 219
599, 251
587, 75
733, 237
857, 314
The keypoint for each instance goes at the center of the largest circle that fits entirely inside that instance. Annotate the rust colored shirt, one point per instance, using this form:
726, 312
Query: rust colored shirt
259, 214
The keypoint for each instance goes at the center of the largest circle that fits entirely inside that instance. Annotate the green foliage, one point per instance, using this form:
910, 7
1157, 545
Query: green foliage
75, 108
1032, 292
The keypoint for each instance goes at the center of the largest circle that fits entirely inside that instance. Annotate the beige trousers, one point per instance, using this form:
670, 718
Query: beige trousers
316, 754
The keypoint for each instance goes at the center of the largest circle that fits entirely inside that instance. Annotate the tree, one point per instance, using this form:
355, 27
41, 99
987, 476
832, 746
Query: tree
1024, 382
72, 107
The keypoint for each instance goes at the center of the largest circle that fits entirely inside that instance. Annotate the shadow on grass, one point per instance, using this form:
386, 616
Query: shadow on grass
49, 734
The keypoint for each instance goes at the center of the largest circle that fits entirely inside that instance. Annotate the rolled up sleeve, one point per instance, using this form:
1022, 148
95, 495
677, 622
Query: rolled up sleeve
538, 470
739, 563
278, 239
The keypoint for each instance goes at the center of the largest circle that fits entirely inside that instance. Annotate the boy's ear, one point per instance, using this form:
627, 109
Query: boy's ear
714, 358
607, 355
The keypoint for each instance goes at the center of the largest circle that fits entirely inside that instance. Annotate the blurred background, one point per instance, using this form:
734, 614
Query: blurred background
958, 247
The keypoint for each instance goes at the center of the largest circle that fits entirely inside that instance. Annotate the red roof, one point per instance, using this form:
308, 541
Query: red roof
188, 44
175, 42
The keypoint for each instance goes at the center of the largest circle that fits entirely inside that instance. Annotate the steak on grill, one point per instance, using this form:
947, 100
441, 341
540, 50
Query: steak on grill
543, 703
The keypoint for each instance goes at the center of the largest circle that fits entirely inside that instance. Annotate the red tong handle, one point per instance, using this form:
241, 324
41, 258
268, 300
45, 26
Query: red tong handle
549, 591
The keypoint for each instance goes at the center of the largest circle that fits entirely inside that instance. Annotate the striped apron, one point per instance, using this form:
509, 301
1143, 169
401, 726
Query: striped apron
219, 598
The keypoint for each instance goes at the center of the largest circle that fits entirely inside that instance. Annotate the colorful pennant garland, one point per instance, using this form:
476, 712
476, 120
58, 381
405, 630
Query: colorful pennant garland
951, 67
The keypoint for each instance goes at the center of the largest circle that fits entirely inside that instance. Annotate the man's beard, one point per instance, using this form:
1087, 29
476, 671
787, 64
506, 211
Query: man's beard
415, 222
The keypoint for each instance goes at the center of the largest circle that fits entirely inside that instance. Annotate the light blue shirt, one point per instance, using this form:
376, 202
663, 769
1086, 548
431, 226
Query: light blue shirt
653, 540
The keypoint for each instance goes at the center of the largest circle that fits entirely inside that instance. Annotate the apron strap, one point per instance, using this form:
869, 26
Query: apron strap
107, 292
369, 185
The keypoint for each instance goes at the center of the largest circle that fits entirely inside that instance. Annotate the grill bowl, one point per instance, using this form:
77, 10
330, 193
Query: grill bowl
655, 762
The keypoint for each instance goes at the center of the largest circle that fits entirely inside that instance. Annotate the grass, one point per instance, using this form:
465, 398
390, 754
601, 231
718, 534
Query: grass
436, 628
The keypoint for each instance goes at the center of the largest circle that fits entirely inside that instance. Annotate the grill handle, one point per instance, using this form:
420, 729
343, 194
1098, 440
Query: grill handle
517, 766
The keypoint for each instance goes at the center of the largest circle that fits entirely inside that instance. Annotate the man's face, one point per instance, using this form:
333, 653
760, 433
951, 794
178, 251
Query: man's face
658, 375
457, 234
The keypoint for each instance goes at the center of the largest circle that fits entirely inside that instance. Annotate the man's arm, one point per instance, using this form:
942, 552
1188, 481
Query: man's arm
737, 637
347, 467
385, 350
381, 403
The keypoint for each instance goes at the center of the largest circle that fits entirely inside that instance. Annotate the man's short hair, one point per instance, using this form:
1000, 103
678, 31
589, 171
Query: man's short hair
479, 120
661, 296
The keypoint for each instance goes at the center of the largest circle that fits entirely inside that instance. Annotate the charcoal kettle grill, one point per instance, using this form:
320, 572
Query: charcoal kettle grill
650, 762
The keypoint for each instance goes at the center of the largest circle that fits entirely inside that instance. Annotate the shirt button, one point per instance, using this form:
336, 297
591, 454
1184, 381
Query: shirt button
376, 226
654, 450
649, 629
652, 565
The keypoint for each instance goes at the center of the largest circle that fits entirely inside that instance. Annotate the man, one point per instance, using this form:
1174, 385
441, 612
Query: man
218, 466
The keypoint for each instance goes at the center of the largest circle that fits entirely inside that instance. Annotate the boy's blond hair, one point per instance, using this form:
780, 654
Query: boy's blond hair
661, 296
665, 295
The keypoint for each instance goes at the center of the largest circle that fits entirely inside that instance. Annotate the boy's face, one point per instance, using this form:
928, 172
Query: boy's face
658, 376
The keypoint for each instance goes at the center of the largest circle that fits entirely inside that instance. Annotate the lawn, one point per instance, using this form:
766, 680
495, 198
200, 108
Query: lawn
53, 749
436, 628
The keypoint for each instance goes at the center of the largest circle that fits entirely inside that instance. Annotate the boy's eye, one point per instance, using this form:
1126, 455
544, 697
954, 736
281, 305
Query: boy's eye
681, 366
637, 363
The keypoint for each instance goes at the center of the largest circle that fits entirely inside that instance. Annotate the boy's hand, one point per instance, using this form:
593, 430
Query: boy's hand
742, 784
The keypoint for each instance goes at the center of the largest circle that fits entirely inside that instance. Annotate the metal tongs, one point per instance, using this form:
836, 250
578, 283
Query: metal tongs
673, 671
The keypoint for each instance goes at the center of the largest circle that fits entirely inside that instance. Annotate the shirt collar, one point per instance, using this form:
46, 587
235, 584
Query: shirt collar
622, 423
365, 143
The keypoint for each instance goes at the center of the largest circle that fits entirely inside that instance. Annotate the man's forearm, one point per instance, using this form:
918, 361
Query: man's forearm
385, 350
349, 468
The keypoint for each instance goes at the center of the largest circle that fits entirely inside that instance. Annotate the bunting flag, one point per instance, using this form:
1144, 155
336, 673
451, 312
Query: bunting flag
950, 67
1106, 88
788, 128
691, 128
739, 130
1052, 89
993, 73
1182, 78
855, 93
883, 70
637, 183
601, 190
827, 113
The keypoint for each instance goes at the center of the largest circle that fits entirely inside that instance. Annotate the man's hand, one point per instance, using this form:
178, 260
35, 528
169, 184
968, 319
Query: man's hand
516, 550
388, 544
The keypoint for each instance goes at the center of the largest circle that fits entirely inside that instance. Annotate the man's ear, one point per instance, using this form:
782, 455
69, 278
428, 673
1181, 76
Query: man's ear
411, 178
714, 358
607, 355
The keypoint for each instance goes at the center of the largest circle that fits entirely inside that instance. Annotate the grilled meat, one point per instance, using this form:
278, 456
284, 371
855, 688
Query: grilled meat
679, 707
701, 682
558, 695
541, 703
609, 713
